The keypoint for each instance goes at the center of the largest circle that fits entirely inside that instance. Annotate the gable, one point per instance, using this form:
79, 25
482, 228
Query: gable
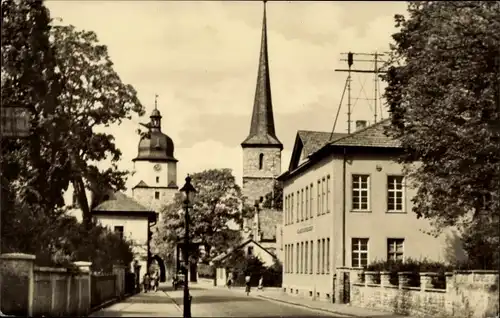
308, 142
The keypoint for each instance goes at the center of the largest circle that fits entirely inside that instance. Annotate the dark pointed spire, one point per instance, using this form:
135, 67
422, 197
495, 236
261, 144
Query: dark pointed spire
262, 132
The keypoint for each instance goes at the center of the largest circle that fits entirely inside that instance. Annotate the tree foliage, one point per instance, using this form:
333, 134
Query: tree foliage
217, 204
274, 199
441, 97
66, 79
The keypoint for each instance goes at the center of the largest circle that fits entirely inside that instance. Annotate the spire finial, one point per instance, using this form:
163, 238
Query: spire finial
156, 101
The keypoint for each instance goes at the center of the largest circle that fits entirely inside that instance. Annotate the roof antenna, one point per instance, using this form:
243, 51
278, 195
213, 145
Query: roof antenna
156, 101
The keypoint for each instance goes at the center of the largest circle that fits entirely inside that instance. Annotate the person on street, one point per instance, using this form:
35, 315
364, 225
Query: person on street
229, 280
261, 283
247, 283
146, 281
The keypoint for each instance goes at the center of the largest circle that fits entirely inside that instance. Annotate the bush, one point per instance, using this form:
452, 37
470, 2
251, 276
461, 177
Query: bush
273, 275
206, 271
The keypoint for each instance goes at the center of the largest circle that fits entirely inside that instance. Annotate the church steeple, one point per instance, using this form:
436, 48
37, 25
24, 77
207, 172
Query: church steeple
262, 131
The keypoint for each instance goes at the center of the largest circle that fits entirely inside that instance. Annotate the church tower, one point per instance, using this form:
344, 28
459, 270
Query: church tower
261, 149
155, 166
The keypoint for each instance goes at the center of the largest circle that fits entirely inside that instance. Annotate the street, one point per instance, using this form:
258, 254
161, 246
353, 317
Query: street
218, 302
207, 302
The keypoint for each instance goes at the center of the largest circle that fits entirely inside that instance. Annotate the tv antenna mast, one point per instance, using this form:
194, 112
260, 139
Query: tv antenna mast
349, 57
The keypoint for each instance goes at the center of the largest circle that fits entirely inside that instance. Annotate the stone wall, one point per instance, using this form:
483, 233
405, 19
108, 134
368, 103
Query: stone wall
258, 182
28, 290
467, 294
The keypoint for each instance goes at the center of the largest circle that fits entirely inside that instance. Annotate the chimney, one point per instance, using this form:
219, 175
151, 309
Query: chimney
360, 124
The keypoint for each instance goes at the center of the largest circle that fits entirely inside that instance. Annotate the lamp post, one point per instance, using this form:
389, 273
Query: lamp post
189, 192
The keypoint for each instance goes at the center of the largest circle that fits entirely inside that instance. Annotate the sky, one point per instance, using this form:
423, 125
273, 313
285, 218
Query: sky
201, 59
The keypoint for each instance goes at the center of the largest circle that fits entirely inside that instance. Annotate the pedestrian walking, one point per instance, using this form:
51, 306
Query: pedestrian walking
146, 281
247, 283
261, 283
229, 280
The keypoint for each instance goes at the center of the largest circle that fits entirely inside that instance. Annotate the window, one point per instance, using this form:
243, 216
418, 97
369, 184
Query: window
306, 258
157, 179
298, 258
311, 201
322, 256
395, 194
311, 267
323, 205
302, 205
250, 251
285, 264
302, 257
328, 255
298, 206
360, 192
327, 194
119, 231
157, 195
359, 252
307, 203
286, 210
318, 258
395, 249
291, 258
261, 161
291, 210
319, 197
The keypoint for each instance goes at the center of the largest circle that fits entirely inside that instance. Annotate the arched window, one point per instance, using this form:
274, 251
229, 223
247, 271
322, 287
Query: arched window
261, 161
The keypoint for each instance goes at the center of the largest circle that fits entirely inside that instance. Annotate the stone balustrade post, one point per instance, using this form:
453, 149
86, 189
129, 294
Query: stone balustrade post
370, 278
404, 279
385, 279
84, 287
426, 279
17, 281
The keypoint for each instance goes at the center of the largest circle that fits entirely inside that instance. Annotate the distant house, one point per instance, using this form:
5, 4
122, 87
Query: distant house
131, 220
265, 229
250, 248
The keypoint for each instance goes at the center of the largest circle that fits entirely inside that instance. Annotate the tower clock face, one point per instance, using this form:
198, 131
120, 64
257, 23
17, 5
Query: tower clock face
157, 167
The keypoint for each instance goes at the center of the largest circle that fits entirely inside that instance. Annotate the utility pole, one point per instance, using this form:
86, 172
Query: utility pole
350, 61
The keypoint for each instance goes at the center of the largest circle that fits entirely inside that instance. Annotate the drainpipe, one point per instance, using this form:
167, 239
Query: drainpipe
344, 192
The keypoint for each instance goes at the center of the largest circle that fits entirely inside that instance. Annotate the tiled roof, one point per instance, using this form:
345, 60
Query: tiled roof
371, 136
119, 202
224, 255
313, 140
141, 184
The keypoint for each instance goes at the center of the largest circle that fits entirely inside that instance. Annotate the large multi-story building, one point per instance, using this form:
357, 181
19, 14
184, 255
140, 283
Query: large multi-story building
346, 204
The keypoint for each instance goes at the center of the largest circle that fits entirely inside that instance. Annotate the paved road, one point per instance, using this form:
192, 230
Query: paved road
217, 302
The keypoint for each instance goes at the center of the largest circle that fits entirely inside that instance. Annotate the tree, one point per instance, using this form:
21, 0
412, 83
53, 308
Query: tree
218, 203
93, 95
66, 79
274, 199
440, 93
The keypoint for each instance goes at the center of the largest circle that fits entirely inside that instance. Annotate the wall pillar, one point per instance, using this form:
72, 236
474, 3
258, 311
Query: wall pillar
119, 271
17, 282
84, 287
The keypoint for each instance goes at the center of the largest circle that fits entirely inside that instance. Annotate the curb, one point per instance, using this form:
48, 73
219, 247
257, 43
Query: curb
307, 306
173, 301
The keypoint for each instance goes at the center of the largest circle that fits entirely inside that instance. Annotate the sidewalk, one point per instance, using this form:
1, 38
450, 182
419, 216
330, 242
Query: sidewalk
151, 304
276, 294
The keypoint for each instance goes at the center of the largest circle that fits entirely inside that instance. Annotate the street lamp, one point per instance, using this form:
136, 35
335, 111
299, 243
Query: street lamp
189, 192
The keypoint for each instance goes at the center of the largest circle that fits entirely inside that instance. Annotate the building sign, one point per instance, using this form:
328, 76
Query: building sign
15, 122
305, 229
